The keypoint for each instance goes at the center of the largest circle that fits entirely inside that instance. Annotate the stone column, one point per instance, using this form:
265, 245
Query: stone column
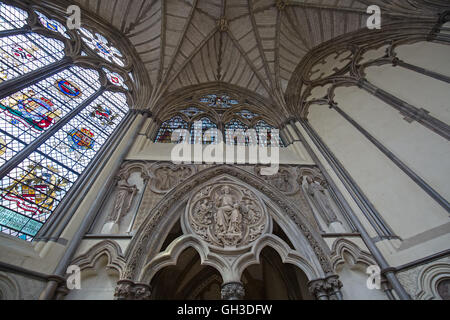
233, 291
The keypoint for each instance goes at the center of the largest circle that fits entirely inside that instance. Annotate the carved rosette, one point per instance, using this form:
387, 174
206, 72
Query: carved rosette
233, 291
226, 215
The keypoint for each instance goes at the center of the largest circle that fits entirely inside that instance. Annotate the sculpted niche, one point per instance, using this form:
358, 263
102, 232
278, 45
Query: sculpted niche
226, 215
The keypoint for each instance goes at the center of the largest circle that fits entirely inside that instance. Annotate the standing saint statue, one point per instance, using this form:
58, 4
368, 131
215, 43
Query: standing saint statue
321, 200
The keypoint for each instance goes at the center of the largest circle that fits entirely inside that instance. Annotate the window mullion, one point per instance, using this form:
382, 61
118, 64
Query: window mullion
15, 32
10, 87
18, 158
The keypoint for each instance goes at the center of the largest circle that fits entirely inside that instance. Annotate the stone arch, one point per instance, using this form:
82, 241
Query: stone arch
287, 255
108, 248
180, 98
164, 215
9, 287
429, 279
343, 246
358, 43
170, 257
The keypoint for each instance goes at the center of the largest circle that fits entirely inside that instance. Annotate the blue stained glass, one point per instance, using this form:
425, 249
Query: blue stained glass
32, 191
218, 101
197, 133
232, 127
100, 45
52, 25
247, 114
191, 112
27, 114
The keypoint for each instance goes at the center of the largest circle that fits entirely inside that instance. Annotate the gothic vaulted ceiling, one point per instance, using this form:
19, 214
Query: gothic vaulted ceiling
252, 44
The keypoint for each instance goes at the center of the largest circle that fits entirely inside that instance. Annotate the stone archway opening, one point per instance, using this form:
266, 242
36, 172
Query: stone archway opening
272, 279
187, 280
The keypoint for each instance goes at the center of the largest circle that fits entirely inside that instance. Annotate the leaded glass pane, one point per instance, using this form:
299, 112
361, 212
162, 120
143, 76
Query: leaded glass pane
28, 113
247, 114
191, 112
218, 101
267, 139
11, 17
198, 131
232, 127
168, 127
52, 25
24, 53
115, 78
100, 45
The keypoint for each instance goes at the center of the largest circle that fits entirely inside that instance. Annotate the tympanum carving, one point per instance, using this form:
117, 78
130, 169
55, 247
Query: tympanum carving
226, 215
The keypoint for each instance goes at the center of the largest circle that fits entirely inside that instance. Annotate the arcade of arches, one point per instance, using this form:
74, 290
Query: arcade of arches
359, 120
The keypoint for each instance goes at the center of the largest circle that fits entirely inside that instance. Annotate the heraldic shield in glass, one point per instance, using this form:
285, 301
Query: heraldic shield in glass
31, 191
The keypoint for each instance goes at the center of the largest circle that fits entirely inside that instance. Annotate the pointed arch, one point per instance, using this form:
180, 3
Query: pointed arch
165, 213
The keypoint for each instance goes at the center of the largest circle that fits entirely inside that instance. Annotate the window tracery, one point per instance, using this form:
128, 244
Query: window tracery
51, 130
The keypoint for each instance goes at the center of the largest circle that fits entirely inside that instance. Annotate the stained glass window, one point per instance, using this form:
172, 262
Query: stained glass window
100, 45
24, 53
191, 112
52, 25
197, 133
267, 139
168, 127
233, 127
219, 104
247, 114
32, 190
218, 101
115, 78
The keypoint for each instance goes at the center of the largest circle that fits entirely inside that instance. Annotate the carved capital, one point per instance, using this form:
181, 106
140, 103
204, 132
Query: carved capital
233, 291
326, 289
319, 288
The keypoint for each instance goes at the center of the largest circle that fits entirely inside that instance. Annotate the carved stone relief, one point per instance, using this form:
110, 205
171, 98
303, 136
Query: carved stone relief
226, 215
168, 176
284, 180
125, 194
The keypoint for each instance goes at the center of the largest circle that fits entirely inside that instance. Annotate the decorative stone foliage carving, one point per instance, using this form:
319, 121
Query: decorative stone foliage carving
226, 215
233, 291
326, 289
128, 290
